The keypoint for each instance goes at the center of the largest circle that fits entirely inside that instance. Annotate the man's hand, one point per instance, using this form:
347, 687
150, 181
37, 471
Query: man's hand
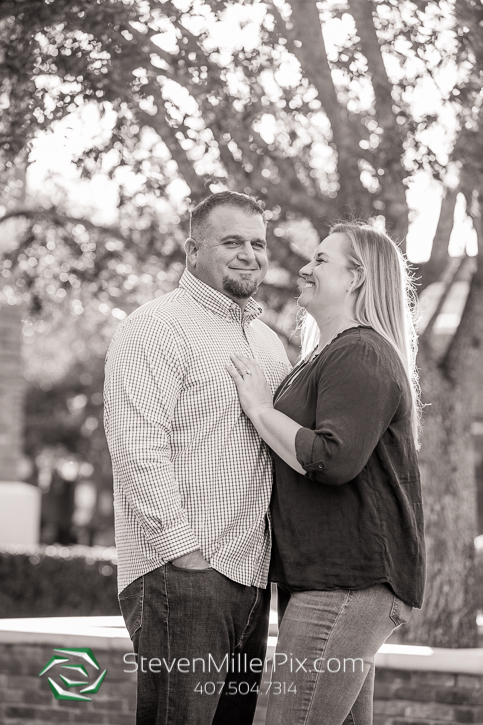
193, 560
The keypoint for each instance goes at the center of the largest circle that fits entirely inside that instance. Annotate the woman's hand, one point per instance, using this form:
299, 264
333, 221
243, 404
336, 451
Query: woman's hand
251, 384
276, 429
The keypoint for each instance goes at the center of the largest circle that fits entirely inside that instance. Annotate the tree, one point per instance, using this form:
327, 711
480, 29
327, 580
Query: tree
451, 376
316, 130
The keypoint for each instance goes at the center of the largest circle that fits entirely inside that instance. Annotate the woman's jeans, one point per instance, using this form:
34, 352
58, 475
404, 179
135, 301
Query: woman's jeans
323, 669
200, 640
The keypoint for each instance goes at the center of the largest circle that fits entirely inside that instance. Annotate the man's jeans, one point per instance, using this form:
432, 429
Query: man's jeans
198, 637
323, 670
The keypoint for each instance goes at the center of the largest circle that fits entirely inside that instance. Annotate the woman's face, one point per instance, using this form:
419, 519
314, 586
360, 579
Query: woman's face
326, 284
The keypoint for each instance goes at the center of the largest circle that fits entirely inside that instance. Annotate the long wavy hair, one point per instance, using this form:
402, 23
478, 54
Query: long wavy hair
385, 300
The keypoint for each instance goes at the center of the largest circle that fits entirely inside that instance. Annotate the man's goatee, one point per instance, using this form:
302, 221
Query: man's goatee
240, 289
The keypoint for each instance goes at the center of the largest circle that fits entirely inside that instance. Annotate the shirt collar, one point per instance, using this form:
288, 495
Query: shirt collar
217, 302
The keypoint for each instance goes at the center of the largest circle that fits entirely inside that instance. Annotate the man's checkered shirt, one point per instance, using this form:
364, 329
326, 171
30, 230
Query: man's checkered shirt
190, 470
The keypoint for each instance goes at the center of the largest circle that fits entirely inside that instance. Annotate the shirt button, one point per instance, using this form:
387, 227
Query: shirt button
320, 465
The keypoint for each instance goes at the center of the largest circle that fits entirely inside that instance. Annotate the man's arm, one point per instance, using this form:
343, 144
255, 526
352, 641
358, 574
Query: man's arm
143, 382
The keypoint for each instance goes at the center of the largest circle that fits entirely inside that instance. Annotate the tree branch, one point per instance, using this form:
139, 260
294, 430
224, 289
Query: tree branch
311, 53
462, 360
167, 134
305, 200
453, 269
61, 219
392, 150
438, 261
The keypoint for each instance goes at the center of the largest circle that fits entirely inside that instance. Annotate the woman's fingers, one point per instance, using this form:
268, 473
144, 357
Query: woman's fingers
244, 363
237, 360
234, 372
240, 363
250, 382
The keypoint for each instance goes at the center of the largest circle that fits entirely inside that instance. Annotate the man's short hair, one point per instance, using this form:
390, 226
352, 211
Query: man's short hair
199, 215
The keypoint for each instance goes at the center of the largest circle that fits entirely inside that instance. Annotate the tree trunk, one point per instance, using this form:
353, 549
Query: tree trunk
448, 617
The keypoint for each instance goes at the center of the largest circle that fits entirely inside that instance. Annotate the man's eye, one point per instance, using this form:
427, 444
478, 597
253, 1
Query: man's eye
232, 243
259, 245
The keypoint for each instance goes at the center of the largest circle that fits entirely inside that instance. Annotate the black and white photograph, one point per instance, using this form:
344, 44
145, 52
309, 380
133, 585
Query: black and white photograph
241, 362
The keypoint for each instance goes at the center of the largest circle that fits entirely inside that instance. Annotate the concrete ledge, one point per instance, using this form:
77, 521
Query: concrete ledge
109, 633
429, 659
104, 633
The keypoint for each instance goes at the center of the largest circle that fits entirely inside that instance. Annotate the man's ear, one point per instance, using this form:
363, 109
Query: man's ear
191, 249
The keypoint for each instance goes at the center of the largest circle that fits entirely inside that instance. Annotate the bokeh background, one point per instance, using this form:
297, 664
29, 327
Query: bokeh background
116, 118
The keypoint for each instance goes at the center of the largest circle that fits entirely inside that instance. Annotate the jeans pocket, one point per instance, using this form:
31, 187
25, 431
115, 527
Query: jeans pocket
131, 602
400, 611
185, 568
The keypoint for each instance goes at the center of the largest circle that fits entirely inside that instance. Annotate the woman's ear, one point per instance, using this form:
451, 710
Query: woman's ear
358, 278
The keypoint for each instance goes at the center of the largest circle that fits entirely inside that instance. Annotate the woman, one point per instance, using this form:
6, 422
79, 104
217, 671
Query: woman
348, 550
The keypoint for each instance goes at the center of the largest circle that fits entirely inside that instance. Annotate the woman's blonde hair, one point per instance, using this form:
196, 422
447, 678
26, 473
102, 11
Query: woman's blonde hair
385, 300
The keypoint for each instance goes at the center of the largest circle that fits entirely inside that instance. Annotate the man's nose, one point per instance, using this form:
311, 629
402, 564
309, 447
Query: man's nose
247, 252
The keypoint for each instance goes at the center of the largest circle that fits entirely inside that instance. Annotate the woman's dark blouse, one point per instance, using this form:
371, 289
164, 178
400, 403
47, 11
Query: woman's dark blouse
355, 519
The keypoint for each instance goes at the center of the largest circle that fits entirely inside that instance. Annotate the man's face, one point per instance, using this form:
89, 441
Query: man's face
232, 257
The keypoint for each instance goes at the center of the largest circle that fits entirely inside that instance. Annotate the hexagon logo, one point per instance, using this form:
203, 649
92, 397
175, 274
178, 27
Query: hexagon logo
76, 670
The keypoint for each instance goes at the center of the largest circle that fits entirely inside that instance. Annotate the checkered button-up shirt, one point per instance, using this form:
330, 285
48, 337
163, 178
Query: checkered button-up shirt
190, 470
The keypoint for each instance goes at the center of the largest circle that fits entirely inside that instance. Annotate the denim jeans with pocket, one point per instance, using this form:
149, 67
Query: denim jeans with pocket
323, 669
199, 638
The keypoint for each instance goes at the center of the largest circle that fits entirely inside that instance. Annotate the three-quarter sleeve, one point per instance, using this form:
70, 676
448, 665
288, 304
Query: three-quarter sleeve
357, 397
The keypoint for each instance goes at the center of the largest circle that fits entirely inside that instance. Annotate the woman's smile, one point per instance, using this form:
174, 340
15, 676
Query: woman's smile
303, 283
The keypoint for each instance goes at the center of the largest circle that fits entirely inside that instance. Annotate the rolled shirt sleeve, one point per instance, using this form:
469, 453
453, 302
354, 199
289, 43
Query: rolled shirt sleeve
144, 375
357, 397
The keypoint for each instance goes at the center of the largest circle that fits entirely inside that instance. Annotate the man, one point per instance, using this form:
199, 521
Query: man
192, 478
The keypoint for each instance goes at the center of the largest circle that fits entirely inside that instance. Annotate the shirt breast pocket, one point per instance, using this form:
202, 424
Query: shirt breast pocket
275, 372
209, 394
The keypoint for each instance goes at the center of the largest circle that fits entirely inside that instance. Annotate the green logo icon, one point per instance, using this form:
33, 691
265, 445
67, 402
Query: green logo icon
76, 672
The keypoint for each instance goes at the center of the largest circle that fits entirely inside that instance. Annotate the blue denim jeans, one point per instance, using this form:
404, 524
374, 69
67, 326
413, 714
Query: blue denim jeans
199, 638
323, 668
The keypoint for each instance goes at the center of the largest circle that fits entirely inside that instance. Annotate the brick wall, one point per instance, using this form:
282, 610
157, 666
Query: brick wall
26, 698
405, 697
402, 697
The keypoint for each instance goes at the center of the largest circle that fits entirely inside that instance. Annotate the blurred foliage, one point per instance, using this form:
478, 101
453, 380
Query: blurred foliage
57, 582
188, 97
64, 438
469, 96
311, 127
321, 110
